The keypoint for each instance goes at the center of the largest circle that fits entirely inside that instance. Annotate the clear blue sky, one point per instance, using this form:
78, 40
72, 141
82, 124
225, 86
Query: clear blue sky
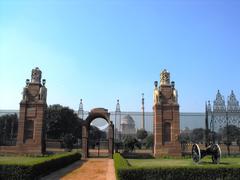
103, 50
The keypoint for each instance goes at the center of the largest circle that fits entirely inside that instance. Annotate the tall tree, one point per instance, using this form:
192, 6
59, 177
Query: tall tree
8, 128
238, 143
197, 135
129, 143
141, 134
231, 134
61, 121
149, 141
95, 135
184, 138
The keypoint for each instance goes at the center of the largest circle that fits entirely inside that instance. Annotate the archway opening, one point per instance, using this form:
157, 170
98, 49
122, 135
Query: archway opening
98, 143
94, 114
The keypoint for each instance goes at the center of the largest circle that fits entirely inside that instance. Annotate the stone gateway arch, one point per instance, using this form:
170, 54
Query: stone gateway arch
93, 114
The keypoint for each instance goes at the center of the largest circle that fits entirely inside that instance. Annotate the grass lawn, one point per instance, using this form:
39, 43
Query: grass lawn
224, 162
29, 160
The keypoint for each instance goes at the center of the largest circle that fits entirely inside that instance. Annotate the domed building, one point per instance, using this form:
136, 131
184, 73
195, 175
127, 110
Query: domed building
127, 126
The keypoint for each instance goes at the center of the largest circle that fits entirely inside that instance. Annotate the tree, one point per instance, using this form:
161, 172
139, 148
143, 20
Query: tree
68, 141
61, 121
149, 141
231, 133
103, 135
141, 134
238, 143
129, 143
94, 136
184, 138
118, 145
8, 128
197, 135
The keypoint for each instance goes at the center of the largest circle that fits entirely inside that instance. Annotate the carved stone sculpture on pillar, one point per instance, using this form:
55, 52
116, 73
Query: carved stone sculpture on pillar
36, 76
25, 91
31, 126
164, 77
156, 93
43, 92
175, 96
175, 93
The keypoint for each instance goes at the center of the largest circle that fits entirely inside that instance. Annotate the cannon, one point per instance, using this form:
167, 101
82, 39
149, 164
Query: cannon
212, 150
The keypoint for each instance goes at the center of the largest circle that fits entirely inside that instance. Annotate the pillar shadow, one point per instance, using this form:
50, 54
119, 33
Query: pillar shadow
56, 175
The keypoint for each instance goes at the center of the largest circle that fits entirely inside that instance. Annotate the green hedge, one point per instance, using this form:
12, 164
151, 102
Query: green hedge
119, 164
36, 170
126, 172
119, 161
179, 173
133, 155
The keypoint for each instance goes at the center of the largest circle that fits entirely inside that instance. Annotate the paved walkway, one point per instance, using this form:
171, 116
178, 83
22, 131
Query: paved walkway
97, 169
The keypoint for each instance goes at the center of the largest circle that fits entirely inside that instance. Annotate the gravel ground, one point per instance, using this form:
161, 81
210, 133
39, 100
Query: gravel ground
97, 169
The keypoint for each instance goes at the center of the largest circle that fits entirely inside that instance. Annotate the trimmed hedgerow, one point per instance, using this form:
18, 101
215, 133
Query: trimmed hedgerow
133, 155
119, 163
37, 169
126, 172
179, 173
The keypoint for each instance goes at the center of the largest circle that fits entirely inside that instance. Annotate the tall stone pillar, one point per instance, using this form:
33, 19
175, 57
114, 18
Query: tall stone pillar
166, 118
31, 125
110, 140
84, 141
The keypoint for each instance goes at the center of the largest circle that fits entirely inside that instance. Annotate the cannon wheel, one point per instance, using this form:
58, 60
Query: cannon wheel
196, 153
216, 156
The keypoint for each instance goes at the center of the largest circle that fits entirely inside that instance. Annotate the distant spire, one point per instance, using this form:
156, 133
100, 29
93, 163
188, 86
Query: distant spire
118, 106
143, 113
80, 110
209, 107
219, 103
117, 118
232, 104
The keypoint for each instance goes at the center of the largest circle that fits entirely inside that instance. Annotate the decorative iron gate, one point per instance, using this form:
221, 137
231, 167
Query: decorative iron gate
98, 148
221, 115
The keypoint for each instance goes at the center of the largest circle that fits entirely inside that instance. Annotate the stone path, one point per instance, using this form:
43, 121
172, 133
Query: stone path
97, 169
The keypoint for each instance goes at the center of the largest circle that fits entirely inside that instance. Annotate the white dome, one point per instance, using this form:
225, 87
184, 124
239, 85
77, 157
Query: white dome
127, 120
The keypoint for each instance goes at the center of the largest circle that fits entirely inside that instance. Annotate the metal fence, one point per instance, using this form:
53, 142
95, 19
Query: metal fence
191, 120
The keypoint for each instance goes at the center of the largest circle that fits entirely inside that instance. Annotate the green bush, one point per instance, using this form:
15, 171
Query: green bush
124, 171
134, 155
119, 163
36, 170
179, 173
